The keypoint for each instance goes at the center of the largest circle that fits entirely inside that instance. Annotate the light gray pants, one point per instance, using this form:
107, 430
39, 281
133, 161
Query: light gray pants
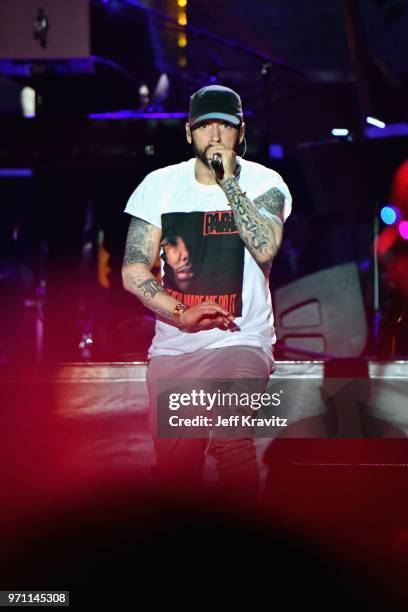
180, 460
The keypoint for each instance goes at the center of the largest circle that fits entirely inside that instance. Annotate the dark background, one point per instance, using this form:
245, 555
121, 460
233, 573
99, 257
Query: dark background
65, 176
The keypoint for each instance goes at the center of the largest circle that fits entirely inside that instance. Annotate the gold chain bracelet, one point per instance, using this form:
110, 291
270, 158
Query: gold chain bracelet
234, 198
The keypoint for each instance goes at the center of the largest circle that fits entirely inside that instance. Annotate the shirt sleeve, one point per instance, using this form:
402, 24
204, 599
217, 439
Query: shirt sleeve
144, 203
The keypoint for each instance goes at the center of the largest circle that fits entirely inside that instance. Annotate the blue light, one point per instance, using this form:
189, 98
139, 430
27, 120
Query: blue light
388, 215
375, 121
391, 130
16, 173
340, 132
128, 114
276, 151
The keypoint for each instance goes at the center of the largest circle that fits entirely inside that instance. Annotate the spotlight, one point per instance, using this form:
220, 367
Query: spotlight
161, 91
182, 18
340, 132
403, 229
27, 100
389, 214
182, 40
376, 122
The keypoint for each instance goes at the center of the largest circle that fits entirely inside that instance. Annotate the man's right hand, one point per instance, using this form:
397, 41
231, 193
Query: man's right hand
207, 315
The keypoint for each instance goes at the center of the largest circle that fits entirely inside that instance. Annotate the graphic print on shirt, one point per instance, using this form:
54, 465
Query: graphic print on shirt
203, 258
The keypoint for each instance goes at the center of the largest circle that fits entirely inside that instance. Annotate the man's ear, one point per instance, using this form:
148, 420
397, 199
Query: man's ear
188, 134
241, 133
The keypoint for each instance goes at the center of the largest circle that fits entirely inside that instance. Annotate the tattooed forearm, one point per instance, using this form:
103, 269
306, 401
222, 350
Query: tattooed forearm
141, 249
259, 221
149, 287
140, 281
139, 244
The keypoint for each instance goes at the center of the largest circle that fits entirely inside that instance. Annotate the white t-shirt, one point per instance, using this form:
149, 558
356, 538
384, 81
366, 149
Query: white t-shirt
198, 225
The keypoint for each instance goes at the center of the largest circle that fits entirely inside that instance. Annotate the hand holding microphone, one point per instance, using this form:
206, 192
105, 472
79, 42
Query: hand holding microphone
216, 161
222, 162
216, 165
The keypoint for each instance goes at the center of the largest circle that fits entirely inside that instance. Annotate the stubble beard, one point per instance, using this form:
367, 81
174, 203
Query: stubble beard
201, 154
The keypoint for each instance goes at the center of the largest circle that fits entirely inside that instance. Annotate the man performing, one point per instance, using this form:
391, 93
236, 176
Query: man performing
217, 221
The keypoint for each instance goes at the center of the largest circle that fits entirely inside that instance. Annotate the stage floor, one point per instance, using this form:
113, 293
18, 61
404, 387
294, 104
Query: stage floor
93, 416
337, 475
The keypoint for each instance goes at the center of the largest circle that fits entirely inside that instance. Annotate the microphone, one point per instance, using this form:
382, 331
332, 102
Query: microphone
216, 162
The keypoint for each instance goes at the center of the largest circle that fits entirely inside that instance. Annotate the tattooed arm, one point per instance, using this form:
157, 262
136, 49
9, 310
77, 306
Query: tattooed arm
259, 222
142, 247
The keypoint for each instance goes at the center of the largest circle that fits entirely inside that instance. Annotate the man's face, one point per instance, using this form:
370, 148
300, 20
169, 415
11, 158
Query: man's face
213, 132
177, 257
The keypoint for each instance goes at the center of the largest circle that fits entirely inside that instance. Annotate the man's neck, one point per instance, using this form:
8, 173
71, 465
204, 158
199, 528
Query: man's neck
203, 173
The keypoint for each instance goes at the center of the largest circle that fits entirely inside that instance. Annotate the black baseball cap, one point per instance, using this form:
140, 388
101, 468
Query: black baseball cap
215, 102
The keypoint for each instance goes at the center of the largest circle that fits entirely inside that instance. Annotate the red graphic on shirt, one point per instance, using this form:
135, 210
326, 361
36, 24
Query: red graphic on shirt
227, 301
219, 222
